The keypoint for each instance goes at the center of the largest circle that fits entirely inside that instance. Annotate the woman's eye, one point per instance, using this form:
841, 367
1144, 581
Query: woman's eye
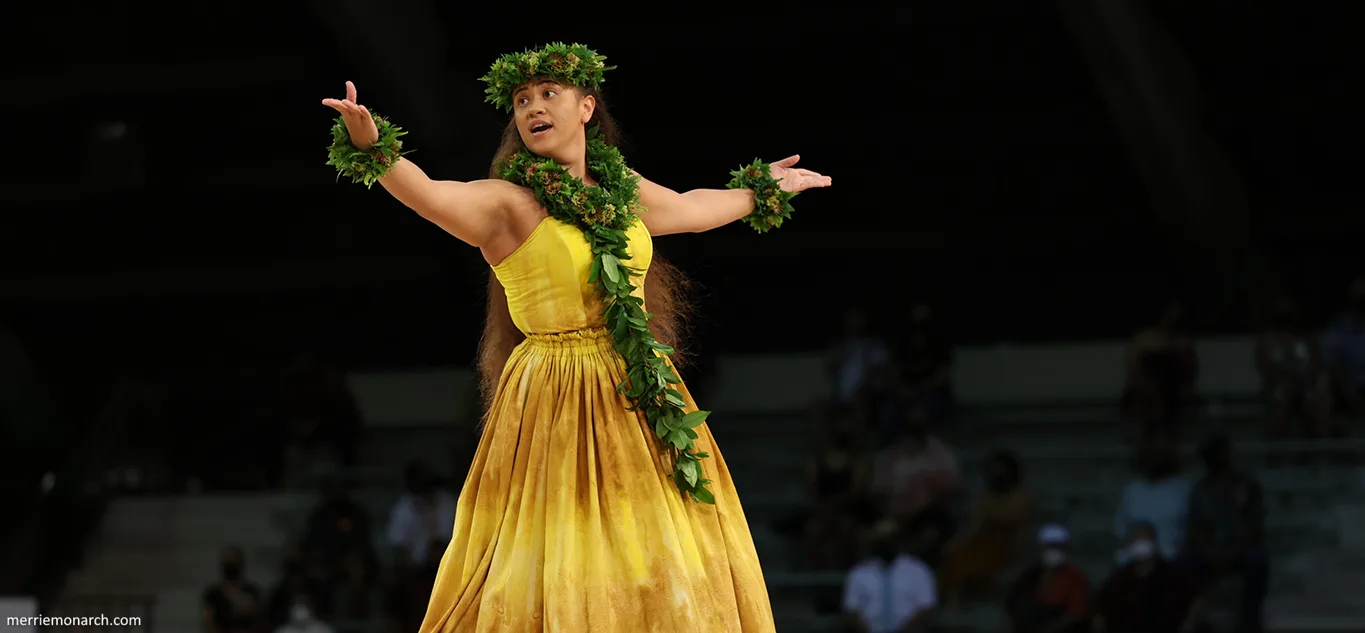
550, 93
522, 101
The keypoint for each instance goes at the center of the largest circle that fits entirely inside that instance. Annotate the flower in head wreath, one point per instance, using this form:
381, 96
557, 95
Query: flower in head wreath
572, 64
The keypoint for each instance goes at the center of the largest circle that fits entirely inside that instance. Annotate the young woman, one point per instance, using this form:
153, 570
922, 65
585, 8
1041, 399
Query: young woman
597, 500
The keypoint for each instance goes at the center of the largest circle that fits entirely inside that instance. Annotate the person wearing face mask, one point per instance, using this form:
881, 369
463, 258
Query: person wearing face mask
302, 619
995, 536
890, 591
1344, 352
1052, 595
1158, 495
1147, 593
1226, 530
233, 604
1293, 375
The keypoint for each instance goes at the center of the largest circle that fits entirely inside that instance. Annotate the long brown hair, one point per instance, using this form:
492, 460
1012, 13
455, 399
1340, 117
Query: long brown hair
665, 285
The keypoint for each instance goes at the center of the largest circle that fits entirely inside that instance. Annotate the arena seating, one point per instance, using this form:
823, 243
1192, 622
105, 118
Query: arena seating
1023, 398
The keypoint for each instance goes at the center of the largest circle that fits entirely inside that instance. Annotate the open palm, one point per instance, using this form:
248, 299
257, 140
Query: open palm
796, 180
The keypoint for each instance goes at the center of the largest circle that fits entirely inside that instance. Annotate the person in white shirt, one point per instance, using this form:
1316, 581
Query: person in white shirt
890, 591
423, 520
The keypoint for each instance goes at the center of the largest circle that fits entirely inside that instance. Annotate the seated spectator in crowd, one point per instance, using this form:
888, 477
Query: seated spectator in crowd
234, 604
419, 530
926, 360
1344, 351
302, 619
339, 536
854, 358
1146, 593
1052, 595
299, 578
995, 535
891, 591
1162, 368
1226, 530
1293, 376
838, 477
1159, 496
914, 482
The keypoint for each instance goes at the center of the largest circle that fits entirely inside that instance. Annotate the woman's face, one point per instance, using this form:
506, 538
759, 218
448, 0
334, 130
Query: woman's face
550, 116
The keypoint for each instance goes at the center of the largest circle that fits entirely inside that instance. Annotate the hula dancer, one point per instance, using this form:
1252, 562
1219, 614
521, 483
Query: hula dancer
597, 501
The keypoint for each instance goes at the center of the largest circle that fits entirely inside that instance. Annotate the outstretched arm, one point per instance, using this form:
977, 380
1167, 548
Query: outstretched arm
473, 211
668, 212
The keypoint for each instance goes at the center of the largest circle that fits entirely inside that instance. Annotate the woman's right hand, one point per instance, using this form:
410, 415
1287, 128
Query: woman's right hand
359, 124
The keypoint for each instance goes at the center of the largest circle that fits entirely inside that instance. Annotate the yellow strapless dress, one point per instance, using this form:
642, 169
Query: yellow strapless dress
569, 521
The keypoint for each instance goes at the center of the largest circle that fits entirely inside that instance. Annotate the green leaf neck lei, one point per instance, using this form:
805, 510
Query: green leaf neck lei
604, 212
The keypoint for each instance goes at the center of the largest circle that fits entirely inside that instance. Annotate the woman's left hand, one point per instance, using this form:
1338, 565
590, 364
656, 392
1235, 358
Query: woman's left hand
796, 180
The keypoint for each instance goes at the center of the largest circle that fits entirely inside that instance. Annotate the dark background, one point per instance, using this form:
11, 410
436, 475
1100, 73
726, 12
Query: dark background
167, 198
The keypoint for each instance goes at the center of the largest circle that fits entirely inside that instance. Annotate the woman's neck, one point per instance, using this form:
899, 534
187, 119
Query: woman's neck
575, 160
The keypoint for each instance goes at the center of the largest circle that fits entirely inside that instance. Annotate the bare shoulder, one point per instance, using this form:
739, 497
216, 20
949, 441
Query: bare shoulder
521, 214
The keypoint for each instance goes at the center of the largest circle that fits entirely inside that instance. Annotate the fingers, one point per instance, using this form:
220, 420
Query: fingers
788, 161
350, 92
364, 112
813, 179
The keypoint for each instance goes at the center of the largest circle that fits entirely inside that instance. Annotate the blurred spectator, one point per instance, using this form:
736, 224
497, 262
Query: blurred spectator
1293, 376
890, 591
855, 357
994, 537
422, 521
1146, 593
926, 359
339, 536
319, 413
299, 579
1162, 369
1226, 530
302, 619
1159, 496
838, 477
1344, 350
234, 604
419, 530
1052, 595
914, 482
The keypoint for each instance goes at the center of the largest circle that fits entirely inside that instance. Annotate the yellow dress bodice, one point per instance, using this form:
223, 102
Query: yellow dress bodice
546, 278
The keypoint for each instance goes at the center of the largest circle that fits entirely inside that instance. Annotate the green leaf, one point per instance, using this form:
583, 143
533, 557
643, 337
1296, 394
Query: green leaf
691, 471
694, 419
702, 494
679, 439
610, 266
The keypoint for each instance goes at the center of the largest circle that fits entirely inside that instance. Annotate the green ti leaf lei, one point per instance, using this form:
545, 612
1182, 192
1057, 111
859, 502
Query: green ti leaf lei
366, 166
603, 213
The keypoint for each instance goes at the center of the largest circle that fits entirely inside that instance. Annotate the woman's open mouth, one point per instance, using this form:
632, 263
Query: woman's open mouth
539, 129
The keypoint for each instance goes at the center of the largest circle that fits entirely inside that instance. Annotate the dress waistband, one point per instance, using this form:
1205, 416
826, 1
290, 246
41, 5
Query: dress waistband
587, 337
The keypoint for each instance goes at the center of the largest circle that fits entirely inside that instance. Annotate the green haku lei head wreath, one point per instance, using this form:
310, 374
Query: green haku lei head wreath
571, 64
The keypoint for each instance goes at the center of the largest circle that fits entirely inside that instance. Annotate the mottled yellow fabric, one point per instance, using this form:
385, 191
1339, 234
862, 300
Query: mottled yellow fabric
569, 520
